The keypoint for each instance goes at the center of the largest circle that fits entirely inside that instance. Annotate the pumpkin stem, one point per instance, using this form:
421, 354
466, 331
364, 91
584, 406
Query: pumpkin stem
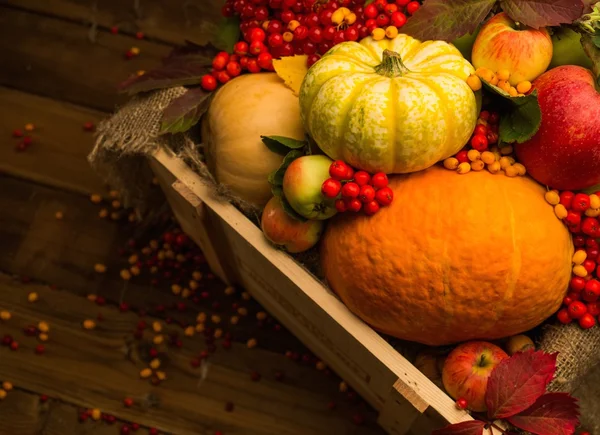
391, 65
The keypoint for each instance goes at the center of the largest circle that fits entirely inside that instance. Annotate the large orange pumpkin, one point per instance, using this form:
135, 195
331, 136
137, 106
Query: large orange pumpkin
454, 258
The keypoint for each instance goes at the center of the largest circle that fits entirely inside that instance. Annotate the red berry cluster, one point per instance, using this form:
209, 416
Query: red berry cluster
485, 134
357, 190
579, 212
272, 29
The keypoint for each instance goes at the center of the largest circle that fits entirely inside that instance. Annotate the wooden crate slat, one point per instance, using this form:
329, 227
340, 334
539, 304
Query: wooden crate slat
317, 317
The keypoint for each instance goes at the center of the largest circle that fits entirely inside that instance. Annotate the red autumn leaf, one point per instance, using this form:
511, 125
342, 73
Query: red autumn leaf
473, 427
447, 20
517, 382
551, 414
543, 13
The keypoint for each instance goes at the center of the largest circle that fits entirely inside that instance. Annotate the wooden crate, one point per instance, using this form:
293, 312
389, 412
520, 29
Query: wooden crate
407, 401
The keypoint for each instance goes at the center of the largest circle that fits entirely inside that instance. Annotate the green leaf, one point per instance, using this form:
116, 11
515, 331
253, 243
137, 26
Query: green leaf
282, 145
521, 118
368, 2
277, 190
228, 34
276, 177
543, 13
593, 52
447, 20
184, 112
596, 40
290, 211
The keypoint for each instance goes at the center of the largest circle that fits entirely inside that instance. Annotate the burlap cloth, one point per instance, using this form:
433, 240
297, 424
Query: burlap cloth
125, 140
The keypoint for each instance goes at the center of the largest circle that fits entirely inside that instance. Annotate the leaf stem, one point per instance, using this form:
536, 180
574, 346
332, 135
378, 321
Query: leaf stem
391, 65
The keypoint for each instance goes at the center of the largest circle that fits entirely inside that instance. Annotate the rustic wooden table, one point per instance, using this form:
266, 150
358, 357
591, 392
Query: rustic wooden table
54, 76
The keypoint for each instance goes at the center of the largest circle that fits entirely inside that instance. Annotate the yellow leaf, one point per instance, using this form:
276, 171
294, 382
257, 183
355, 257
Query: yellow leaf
291, 69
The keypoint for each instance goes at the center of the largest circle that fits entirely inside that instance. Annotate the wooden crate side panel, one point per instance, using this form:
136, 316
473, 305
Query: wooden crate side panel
390, 374
191, 214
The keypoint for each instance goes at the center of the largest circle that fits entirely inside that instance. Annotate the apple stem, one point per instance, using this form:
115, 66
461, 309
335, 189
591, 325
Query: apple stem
391, 66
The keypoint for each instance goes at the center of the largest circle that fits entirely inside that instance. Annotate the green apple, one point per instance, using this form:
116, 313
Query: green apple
567, 49
465, 43
302, 187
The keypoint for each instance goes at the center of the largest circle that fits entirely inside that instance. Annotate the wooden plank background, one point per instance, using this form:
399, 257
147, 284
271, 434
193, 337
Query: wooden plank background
54, 76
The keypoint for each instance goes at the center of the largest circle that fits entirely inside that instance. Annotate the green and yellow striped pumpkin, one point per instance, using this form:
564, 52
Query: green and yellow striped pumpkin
395, 106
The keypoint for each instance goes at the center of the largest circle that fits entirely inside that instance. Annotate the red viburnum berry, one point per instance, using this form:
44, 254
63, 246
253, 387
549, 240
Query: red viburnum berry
367, 194
587, 321
384, 196
566, 198
340, 206
461, 403
591, 292
563, 316
379, 180
581, 202
350, 190
331, 188
361, 178
353, 204
593, 308
338, 170
371, 208
577, 309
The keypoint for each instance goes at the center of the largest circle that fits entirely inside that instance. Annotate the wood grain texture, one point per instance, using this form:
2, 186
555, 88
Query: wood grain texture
55, 58
100, 368
63, 253
171, 21
60, 146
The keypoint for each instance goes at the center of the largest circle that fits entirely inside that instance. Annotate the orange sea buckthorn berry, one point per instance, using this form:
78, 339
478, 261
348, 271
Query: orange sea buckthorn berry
580, 271
552, 197
507, 150
463, 168
505, 162
391, 32
524, 87
288, 36
378, 34
145, 373
477, 165
504, 85
579, 257
293, 25
7, 386
521, 168
32, 297
560, 211
451, 163
350, 18
5, 315
488, 157
494, 167
494, 80
511, 171
485, 73
474, 155
474, 82
512, 91
99, 268
503, 74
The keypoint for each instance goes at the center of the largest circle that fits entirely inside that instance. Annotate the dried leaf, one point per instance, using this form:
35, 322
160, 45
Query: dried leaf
543, 13
447, 20
183, 66
473, 427
517, 382
282, 145
228, 34
551, 414
292, 70
184, 112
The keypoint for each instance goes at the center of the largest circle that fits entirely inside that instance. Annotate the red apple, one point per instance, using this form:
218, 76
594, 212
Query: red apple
467, 369
282, 229
565, 153
502, 44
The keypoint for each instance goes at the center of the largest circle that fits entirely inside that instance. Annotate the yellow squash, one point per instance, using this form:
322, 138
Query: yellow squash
395, 106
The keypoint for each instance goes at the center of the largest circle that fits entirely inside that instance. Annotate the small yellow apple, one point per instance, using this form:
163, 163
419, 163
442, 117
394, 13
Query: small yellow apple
503, 45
